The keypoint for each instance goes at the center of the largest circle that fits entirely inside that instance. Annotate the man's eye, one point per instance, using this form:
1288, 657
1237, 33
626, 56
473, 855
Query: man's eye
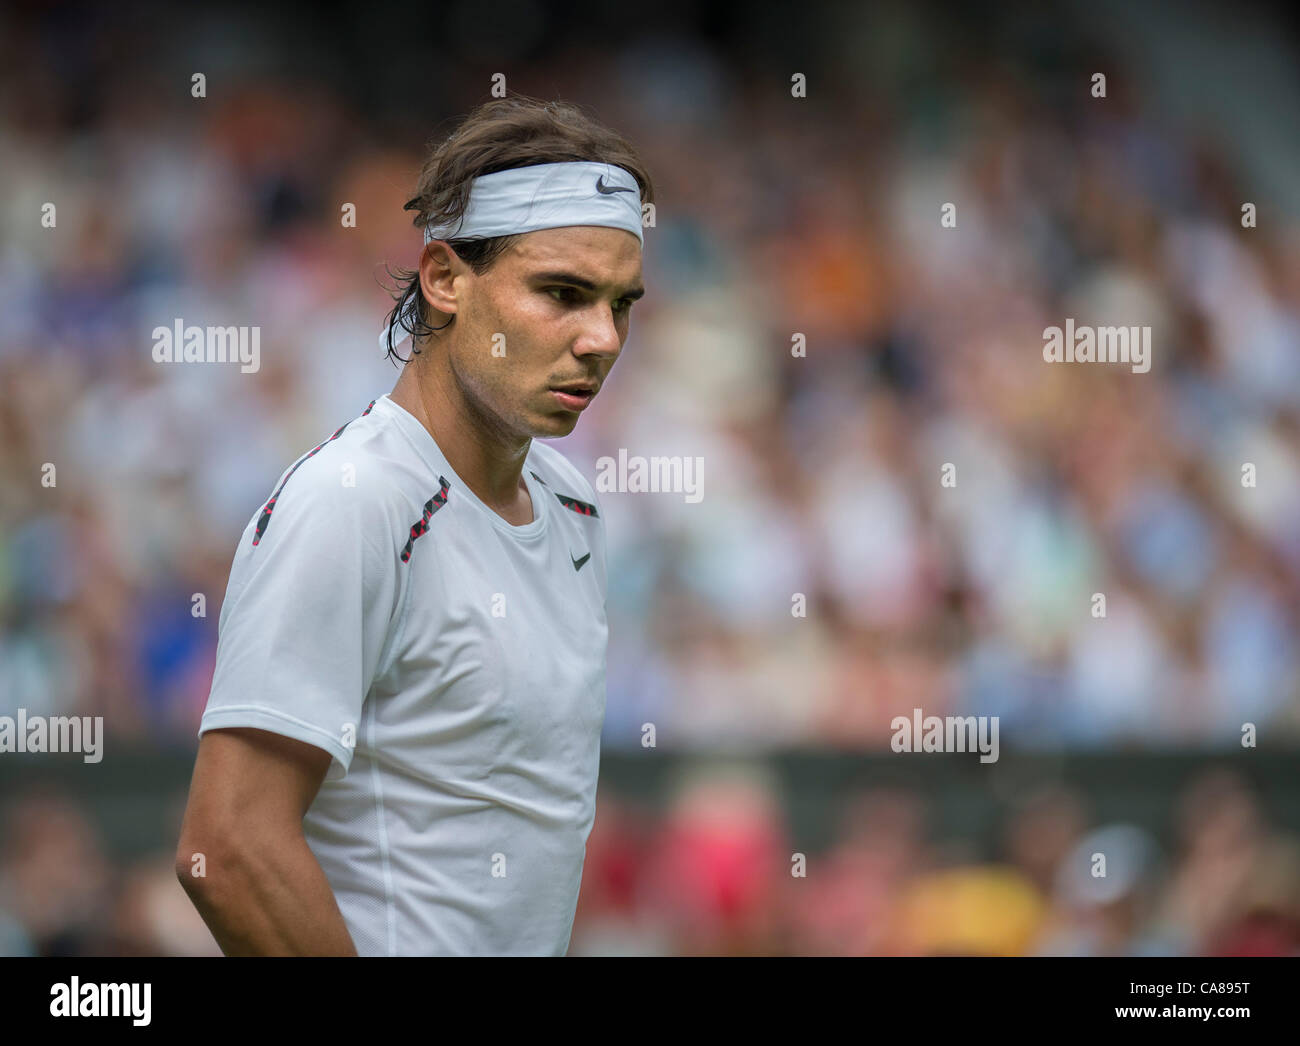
571, 296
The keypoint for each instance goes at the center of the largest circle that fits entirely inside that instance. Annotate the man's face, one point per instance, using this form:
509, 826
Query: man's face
556, 306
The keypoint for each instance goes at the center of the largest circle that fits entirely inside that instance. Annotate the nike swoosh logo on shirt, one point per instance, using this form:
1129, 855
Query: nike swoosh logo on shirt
577, 563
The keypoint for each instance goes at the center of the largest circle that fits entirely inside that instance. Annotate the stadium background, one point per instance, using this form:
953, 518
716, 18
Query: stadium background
775, 215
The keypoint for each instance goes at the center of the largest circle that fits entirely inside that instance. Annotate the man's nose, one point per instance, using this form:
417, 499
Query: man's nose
601, 337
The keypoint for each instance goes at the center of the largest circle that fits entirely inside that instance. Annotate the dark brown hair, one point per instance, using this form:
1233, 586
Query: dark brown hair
498, 135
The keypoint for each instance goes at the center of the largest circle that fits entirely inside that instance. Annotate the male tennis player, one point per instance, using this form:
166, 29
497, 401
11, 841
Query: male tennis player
400, 749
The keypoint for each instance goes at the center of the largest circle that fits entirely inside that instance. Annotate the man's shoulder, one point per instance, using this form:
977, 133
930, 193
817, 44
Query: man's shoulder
360, 474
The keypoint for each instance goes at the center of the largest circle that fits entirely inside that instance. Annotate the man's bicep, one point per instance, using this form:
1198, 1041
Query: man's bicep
248, 781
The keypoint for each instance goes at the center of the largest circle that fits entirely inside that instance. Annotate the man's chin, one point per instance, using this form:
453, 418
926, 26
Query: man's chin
555, 425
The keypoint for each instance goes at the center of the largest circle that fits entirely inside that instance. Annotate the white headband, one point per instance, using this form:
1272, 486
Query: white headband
543, 196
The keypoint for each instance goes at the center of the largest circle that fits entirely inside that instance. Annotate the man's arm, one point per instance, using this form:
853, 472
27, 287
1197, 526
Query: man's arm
264, 892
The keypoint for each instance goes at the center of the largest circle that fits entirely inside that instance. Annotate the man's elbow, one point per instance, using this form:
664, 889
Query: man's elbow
208, 863
189, 868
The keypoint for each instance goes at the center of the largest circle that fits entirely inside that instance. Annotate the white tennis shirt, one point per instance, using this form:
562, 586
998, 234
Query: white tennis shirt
453, 665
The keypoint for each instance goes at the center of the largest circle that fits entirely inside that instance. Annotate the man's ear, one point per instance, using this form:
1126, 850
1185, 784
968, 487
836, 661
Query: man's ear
439, 267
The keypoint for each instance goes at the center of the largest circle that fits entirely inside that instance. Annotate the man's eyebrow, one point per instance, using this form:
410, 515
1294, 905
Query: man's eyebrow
574, 280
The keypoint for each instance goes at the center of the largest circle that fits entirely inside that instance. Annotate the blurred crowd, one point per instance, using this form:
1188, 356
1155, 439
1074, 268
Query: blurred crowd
777, 217
717, 872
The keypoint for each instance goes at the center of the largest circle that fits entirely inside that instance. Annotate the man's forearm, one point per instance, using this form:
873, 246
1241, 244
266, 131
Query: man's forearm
268, 900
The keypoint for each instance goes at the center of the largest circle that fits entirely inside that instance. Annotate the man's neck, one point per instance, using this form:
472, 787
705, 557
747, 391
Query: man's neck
488, 461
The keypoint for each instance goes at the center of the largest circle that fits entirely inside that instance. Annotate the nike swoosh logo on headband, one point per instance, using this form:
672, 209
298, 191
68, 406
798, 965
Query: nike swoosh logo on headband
607, 190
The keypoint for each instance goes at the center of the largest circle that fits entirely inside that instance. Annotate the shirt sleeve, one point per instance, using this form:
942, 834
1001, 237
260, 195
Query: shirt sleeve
308, 614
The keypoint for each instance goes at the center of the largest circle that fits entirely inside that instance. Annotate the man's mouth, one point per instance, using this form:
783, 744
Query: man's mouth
574, 397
